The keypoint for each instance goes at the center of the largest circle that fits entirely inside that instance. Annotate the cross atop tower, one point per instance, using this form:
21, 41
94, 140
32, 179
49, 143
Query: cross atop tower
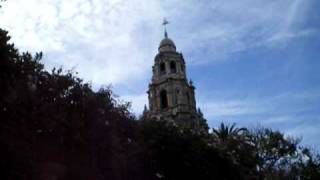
164, 23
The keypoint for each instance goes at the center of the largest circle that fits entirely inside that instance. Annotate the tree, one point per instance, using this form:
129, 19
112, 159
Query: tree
237, 145
179, 153
55, 126
225, 132
275, 152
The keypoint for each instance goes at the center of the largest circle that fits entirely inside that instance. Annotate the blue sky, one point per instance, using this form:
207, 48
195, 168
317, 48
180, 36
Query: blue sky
253, 62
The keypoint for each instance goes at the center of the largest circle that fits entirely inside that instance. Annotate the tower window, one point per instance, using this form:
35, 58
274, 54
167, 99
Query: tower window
163, 99
173, 67
162, 68
177, 97
188, 97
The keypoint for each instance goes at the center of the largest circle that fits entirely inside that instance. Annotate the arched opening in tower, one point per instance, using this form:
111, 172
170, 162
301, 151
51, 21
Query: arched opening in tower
173, 67
163, 99
188, 98
162, 68
176, 98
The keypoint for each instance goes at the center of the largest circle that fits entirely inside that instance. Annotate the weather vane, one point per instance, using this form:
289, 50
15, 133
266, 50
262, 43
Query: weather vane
165, 22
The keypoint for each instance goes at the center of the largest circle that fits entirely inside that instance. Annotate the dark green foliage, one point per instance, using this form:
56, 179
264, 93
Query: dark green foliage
274, 150
237, 144
225, 133
178, 153
53, 126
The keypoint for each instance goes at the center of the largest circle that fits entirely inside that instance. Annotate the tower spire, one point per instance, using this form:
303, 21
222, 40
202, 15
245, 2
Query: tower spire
165, 22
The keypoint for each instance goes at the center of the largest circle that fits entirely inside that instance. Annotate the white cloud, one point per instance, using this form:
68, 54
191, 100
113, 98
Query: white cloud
115, 41
98, 38
295, 114
275, 106
220, 28
309, 132
214, 109
284, 37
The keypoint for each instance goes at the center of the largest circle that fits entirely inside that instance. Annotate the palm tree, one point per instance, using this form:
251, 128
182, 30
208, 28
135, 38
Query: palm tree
224, 132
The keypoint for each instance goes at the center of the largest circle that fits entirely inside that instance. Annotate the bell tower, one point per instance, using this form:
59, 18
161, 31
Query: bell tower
171, 96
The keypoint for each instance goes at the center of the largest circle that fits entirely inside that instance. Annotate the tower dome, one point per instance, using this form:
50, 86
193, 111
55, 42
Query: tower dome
167, 45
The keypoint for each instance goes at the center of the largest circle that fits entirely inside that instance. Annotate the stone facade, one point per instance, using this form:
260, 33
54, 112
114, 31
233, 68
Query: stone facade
171, 96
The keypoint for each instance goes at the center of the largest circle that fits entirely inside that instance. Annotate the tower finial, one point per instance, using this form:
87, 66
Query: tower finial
165, 22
